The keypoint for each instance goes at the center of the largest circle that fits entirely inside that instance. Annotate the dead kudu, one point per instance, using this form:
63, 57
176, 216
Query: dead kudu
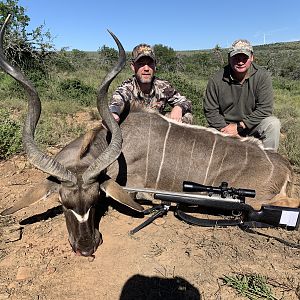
156, 153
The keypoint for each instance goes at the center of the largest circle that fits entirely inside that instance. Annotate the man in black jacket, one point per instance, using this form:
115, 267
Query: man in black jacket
239, 98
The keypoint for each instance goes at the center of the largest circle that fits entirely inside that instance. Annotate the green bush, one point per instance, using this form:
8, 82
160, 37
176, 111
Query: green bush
290, 128
107, 57
78, 91
61, 62
291, 143
9, 87
10, 135
166, 58
284, 84
202, 64
38, 78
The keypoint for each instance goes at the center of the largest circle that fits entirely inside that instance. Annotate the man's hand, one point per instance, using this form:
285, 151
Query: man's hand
231, 129
176, 114
116, 117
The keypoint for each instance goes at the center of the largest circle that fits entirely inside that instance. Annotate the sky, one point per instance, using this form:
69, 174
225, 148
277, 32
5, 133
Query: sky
181, 25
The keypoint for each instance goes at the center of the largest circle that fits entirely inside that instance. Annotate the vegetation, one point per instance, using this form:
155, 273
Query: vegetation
251, 286
107, 56
166, 58
27, 50
10, 134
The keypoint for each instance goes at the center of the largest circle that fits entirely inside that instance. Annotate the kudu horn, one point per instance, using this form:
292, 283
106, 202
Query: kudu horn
39, 159
114, 149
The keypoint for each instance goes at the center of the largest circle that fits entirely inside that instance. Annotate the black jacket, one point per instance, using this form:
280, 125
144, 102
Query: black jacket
227, 101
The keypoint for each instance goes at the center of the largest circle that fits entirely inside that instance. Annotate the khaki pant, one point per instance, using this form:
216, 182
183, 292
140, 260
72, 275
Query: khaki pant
268, 131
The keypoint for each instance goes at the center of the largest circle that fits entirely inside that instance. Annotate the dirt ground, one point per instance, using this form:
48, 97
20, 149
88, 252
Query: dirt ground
166, 260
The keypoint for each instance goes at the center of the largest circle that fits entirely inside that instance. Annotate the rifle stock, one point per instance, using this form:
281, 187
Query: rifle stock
267, 216
277, 216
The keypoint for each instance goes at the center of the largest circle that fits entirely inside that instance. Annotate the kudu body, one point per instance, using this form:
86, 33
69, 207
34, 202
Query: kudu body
156, 153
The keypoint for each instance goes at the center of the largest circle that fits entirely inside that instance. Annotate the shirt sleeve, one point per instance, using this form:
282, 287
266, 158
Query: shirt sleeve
119, 98
264, 102
211, 106
174, 98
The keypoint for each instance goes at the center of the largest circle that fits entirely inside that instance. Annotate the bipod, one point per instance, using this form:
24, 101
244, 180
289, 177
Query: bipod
160, 209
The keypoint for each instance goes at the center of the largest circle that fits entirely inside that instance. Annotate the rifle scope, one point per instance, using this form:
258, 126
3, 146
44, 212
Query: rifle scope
223, 190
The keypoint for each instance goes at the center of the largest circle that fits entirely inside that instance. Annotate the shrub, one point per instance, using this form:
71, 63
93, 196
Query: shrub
61, 61
10, 135
290, 142
107, 56
166, 57
76, 90
9, 87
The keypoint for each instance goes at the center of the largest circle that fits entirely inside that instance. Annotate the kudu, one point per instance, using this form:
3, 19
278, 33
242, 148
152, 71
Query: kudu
156, 153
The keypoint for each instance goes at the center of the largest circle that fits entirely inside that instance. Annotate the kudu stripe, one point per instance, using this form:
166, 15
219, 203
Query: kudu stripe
220, 166
272, 167
148, 149
190, 160
80, 218
210, 159
180, 145
163, 155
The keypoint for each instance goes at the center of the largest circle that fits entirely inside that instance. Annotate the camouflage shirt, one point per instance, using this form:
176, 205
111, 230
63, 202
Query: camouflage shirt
161, 94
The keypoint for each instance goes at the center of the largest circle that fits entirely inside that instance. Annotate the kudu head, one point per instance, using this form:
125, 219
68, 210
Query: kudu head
78, 192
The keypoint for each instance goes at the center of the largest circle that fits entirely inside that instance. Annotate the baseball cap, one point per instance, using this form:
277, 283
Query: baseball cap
240, 46
142, 50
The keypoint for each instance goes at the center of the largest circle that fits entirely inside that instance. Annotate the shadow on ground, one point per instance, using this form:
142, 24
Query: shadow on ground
140, 287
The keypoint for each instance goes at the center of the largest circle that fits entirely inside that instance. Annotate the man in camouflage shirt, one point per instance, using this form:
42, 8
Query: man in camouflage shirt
146, 89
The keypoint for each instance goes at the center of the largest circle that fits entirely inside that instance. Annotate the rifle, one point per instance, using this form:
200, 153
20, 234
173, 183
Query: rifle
221, 198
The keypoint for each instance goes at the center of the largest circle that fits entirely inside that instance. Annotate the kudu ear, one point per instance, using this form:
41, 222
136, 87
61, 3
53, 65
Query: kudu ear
115, 191
38, 192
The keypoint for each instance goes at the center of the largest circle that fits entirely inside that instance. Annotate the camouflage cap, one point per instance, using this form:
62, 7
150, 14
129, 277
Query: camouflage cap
142, 50
240, 46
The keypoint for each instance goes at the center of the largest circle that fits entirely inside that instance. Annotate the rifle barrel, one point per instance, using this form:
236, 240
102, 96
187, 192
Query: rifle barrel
206, 201
184, 195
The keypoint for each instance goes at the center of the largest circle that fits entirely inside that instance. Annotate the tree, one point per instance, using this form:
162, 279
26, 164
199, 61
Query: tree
166, 57
107, 56
24, 49
219, 55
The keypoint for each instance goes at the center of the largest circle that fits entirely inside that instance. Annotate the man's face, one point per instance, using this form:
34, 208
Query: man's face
240, 62
144, 69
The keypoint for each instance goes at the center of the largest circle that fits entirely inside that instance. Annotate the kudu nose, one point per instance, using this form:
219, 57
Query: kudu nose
85, 253
87, 248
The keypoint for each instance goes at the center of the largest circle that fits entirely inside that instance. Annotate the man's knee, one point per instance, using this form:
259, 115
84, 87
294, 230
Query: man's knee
269, 129
270, 124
